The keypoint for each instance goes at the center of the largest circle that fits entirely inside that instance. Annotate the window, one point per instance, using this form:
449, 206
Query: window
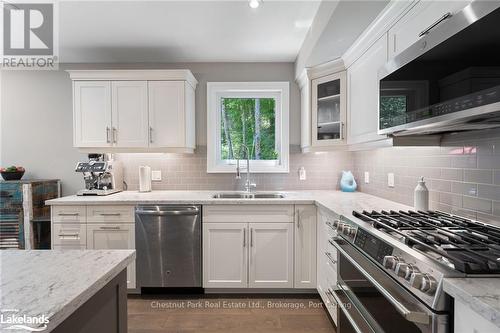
247, 117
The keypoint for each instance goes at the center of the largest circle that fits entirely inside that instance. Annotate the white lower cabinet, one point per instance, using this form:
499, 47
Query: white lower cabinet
247, 255
113, 236
305, 246
327, 262
225, 255
468, 321
271, 255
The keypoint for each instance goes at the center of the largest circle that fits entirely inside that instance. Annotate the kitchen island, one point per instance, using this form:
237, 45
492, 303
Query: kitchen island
64, 290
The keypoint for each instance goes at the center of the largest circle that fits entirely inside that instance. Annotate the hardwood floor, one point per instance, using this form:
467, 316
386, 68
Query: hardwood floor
238, 314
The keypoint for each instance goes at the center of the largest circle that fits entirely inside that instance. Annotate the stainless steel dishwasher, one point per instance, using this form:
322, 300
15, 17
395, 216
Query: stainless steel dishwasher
168, 245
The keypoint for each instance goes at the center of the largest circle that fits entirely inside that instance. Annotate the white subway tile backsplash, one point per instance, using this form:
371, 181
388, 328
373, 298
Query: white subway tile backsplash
477, 204
478, 176
489, 191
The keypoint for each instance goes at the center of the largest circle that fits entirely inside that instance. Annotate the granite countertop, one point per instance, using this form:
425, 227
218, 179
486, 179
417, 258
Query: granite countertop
53, 283
482, 295
341, 202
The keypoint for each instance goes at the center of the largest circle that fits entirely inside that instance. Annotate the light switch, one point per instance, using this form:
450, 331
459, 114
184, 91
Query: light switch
156, 175
367, 177
390, 179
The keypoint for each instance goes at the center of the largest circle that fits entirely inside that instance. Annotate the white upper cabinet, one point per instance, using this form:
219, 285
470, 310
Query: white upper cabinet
135, 111
420, 17
328, 110
92, 114
130, 113
363, 81
166, 112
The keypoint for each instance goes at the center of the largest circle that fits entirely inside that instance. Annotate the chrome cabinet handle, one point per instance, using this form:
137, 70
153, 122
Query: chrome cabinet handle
107, 134
329, 255
244, 237
433, 25
70, 235
251, 237
342, 131
298, 218
109, 228
110, 214
115, 134
68, 214
150, 134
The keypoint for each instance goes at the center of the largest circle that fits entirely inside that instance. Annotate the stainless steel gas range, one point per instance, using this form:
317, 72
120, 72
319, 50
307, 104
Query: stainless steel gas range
391, 266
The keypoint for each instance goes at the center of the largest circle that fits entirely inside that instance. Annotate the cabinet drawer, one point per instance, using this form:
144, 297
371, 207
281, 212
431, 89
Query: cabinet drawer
71, 214
99, 214
248, 213
69, 235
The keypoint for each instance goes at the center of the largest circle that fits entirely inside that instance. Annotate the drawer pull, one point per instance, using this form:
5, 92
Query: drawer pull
110, 214
77, 236
329, 255
109, 228
68, 214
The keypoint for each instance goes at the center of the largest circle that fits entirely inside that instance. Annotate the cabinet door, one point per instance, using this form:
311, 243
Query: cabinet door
328, 110
225, 255
305, 246
271, 255
113, 237
92, 113
406, 31
363, 92
166, 114
130, 113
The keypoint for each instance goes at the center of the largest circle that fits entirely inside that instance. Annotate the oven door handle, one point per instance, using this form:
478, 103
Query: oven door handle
352, 314
413, 316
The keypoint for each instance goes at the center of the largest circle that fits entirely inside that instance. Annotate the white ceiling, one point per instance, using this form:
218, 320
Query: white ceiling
182, 31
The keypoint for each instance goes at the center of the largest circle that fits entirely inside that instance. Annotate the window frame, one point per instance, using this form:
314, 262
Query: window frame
280, 91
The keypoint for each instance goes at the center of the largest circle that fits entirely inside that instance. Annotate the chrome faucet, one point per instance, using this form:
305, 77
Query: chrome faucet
248, 184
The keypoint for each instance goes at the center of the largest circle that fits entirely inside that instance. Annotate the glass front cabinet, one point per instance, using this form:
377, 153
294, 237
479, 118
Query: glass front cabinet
328, 110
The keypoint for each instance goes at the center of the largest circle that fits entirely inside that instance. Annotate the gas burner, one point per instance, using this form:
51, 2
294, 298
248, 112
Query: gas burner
465, 245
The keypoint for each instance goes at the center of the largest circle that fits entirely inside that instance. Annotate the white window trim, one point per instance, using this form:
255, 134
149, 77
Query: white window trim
278, 90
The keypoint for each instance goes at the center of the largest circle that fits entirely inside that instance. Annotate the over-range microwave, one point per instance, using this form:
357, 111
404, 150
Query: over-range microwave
449, 80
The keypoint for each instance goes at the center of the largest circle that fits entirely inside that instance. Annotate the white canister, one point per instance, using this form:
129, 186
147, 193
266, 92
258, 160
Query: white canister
421, 196
144, 179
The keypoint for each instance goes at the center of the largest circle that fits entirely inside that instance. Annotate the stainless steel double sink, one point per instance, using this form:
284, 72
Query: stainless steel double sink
245, 195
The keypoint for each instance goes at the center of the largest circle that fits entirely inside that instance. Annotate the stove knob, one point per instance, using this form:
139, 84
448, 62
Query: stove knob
340, 227
336, 223
429, 284
391, 262
352, 232
410, 270
416, 279
401, 268
346, 230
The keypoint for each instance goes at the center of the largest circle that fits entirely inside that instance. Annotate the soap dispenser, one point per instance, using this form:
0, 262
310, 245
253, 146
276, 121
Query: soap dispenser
421, 196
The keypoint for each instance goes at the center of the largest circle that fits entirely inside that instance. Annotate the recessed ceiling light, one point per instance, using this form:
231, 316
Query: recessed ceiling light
254, 3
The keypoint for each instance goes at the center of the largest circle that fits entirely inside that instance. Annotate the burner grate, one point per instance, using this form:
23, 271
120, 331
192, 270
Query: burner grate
472, 247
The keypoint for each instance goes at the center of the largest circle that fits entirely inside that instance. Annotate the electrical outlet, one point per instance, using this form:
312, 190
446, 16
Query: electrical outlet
367, 177
156, 175
302, 173
390, 179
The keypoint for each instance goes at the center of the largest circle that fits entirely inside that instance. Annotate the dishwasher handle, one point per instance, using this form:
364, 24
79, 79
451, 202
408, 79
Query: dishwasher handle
173, 212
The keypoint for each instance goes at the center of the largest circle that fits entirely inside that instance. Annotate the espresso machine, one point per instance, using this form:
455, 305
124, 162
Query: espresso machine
102, 177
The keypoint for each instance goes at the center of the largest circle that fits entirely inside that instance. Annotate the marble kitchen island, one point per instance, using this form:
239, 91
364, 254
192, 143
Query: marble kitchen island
64, 290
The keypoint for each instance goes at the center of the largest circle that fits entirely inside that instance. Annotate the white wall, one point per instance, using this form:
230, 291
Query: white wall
36, 113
